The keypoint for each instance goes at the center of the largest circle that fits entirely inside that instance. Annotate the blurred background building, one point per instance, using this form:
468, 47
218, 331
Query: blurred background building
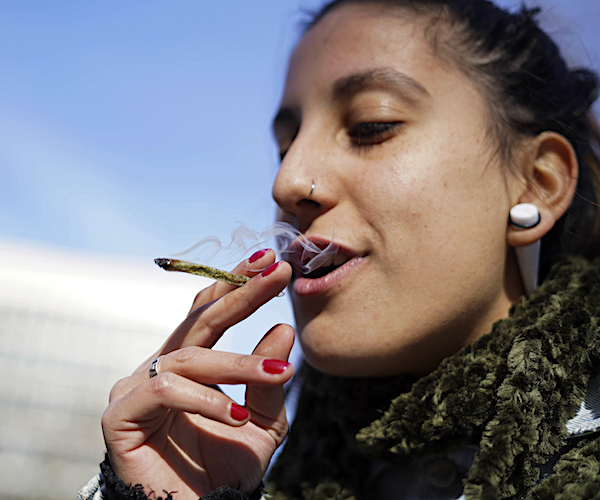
70, 327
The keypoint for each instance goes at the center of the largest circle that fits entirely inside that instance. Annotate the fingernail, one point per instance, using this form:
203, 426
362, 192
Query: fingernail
274, 366
257, 255
270, 269
238, 413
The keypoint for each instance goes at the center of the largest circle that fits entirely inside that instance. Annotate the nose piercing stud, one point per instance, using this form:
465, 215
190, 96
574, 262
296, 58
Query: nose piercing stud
526, 216
312, 188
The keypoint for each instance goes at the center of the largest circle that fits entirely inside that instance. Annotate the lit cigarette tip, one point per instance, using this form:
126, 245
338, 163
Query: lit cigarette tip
164, 263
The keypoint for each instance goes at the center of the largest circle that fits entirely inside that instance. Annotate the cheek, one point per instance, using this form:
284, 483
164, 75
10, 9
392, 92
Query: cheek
401, 198
439, 203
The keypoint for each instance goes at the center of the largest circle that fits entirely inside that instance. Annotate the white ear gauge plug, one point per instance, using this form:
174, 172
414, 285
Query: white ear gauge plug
526, 216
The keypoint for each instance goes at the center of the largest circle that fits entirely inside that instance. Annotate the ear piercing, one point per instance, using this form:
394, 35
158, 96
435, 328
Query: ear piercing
312, 188
526, 216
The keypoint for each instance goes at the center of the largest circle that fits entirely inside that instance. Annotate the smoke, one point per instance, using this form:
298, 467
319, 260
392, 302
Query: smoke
302, 254
290, 244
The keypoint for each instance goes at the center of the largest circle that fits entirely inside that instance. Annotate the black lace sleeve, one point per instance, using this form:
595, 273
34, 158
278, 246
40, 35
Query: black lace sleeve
115, 489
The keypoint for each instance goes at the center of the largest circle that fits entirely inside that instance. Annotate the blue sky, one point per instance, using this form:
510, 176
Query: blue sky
137, 128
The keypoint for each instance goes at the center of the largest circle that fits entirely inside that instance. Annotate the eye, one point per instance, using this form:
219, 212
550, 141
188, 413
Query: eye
369, 133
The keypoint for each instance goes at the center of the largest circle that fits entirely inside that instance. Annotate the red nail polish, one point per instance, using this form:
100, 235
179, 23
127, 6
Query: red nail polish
257, 255
238, 412
270, 269
274, 366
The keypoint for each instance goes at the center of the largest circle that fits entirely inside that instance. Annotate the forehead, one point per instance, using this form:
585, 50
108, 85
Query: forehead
356, 39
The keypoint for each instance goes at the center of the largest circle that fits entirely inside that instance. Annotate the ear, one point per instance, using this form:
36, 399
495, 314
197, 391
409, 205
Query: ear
550, 171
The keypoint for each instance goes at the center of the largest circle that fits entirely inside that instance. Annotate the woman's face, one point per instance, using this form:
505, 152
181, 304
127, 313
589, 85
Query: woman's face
394, 139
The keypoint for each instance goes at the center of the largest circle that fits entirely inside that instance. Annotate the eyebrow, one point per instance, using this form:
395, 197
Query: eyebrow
379, 77
347, 86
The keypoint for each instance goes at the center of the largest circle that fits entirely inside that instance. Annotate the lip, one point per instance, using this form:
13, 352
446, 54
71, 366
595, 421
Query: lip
315, 286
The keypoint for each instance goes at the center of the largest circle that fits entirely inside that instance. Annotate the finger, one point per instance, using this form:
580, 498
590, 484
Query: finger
123, 386
277, 343
251, 266
210, 367
206, 324
216, 367
136, 416
266, 402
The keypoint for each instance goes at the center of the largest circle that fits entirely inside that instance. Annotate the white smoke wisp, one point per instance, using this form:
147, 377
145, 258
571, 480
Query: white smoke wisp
291, 245
304, 255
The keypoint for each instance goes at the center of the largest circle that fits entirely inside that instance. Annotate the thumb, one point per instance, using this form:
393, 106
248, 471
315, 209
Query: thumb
266, 402
277, 343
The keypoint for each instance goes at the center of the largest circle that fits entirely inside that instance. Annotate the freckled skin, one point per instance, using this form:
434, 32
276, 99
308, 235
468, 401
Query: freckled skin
428, 205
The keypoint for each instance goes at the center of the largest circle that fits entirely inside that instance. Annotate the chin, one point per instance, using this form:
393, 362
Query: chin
337, 367
354, 352
328, 353
376, 365
343, 357
341, 366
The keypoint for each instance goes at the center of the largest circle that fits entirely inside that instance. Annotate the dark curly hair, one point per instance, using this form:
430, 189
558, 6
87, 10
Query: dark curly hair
529, 89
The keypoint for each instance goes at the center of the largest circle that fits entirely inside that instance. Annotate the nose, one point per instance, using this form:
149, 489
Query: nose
300, 188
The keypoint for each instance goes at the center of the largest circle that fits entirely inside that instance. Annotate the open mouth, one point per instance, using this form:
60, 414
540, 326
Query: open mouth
325, 269
320, 265
318, 259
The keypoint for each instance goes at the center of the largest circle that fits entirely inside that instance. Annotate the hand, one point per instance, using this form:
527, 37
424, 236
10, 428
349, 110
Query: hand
173, 432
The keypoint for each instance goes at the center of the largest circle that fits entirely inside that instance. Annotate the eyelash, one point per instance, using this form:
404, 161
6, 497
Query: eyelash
367, 133
371, 133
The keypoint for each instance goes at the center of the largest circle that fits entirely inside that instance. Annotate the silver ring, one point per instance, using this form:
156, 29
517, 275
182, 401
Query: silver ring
312, 188
154, 368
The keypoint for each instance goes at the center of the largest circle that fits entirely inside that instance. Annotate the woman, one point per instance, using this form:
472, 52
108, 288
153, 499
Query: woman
409, 128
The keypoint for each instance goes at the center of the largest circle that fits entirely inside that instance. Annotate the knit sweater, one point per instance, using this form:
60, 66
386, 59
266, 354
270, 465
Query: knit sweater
506, 400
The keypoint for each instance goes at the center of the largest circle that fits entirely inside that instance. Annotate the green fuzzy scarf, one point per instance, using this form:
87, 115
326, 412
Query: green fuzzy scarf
511, 393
